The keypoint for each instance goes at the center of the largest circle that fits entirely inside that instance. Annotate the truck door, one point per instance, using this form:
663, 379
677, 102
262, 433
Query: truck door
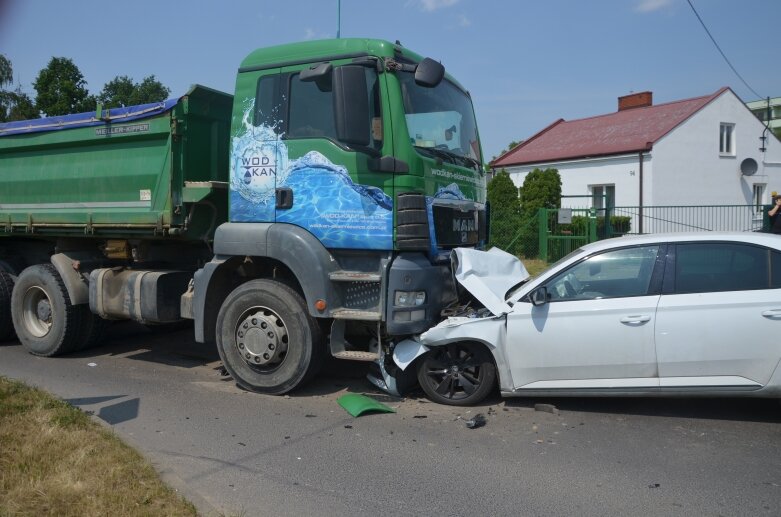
328, 186
257, 152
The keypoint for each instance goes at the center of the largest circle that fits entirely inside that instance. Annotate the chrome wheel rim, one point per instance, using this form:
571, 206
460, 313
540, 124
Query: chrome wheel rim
37, 312
261, 338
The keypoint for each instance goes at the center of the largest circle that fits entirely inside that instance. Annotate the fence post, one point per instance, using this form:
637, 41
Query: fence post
542, 227
592, 226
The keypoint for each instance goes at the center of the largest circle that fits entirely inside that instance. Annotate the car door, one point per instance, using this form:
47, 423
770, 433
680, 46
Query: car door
719, 318
597, 329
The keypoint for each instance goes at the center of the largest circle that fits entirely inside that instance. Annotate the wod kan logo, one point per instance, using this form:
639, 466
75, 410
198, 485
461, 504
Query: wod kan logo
257, 167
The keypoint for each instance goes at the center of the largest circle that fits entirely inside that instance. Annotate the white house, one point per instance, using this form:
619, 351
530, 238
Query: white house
700, 151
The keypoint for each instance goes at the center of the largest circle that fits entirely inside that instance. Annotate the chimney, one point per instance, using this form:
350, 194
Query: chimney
635, 100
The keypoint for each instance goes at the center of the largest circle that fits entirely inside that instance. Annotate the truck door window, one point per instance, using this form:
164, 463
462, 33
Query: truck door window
268, 109
311, 112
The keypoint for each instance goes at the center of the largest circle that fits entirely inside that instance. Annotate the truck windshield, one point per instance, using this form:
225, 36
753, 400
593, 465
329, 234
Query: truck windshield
441, 121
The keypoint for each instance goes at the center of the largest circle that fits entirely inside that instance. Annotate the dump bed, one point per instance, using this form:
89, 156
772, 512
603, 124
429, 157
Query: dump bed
158, 170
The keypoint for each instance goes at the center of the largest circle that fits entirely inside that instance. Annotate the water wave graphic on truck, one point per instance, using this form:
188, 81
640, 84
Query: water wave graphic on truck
326, 201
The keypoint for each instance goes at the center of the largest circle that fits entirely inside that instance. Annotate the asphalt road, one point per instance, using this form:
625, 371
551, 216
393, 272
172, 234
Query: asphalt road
247, 454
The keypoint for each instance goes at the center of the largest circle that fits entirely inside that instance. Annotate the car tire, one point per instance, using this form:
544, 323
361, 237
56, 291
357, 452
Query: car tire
457, 374
46, 322
266, 338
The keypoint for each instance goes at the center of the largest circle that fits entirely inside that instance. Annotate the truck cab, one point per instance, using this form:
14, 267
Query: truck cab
355, 167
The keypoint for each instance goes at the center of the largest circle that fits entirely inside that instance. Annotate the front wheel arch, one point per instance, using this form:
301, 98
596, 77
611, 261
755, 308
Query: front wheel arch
447, 373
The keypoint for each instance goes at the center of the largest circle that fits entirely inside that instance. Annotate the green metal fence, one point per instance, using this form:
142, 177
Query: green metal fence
553, 233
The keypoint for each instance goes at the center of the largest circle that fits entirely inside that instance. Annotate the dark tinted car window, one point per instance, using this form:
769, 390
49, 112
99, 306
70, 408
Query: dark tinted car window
775, 270
718, 266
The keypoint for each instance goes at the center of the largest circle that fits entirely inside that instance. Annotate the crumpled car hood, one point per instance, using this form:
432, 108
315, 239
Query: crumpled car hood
488, 275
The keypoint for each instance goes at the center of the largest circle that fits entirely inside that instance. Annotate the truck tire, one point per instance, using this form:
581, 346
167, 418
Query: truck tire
6, 323
46, 322
266, 338
91, 330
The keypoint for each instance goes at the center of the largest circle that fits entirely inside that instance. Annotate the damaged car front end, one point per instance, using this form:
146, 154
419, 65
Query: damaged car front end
455, 362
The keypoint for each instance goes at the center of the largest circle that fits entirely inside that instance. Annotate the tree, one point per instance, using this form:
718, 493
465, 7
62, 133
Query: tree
511, 145
505, 212
62, 89
122, 91
540, 189
21, 106
6, 71
14, 105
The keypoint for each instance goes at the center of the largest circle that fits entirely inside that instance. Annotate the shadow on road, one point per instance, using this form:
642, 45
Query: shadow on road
178, 348
746, 409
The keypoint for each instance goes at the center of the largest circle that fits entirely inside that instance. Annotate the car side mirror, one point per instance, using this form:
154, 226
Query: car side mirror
351, 105
539, 296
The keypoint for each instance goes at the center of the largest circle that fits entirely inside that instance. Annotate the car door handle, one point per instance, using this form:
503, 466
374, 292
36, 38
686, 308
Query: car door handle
774, 314
636, 319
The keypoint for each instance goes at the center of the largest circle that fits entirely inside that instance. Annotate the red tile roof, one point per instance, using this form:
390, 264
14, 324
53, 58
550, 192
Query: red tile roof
631, 130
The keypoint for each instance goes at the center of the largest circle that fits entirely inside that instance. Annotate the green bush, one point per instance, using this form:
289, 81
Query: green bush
620, 225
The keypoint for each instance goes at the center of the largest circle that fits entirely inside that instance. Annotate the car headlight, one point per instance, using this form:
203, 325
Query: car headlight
409, 298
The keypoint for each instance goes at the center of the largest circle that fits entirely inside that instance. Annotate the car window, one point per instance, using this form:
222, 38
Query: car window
775, 269
617, 273
720, 266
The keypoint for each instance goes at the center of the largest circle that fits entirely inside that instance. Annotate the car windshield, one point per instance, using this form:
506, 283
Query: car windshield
441, 121
512, 294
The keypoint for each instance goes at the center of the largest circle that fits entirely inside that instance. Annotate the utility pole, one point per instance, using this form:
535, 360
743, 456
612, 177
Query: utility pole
338, 19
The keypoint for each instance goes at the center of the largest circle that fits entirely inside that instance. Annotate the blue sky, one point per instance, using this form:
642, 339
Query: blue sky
526, 63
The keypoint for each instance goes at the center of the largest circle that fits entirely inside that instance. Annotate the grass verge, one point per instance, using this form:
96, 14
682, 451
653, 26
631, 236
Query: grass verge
534, 266
54, 460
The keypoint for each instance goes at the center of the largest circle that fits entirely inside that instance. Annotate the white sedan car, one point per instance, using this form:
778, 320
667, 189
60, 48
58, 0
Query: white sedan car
675, 314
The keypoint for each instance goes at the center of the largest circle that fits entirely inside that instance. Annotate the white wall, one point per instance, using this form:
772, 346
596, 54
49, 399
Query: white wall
577, 178
688, 169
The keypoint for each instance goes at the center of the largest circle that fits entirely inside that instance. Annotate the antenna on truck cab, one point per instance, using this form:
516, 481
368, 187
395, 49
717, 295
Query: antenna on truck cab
338, 19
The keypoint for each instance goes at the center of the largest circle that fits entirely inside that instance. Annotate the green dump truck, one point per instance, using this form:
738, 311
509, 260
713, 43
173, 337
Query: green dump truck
311, 212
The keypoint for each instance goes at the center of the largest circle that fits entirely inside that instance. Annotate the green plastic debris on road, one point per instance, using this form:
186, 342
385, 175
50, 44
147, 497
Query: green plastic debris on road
358, 405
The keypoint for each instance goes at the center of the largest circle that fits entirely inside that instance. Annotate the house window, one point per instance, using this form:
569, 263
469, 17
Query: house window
727, 139
759, 197
603, 196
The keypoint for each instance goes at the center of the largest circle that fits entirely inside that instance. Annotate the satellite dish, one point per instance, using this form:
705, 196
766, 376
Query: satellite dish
748, 167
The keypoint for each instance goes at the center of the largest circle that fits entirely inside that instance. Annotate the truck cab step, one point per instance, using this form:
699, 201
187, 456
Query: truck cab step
356, 355
353, 314
353, 276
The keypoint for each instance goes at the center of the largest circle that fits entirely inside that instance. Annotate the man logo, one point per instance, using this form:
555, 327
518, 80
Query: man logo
464, 225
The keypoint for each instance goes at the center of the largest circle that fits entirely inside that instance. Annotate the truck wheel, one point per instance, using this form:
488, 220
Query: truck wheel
266, 338
45, 321
6, 323
458, 374
91, 329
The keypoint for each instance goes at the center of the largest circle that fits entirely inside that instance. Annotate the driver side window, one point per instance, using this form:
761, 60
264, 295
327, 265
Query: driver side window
618, 273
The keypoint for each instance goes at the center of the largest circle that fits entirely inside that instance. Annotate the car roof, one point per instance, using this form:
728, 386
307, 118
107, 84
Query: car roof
764, 239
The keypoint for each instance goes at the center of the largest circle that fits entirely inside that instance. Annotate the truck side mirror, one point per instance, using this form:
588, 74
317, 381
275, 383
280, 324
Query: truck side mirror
429, 73
539, 296
315, 72
351, 105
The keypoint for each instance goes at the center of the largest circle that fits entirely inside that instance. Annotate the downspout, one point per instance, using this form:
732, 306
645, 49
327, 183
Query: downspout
640, 226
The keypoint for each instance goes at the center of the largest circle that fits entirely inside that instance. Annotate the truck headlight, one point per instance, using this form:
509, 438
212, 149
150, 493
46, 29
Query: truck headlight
409, 298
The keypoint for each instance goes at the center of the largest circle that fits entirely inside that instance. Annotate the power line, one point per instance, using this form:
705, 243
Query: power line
721, 51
